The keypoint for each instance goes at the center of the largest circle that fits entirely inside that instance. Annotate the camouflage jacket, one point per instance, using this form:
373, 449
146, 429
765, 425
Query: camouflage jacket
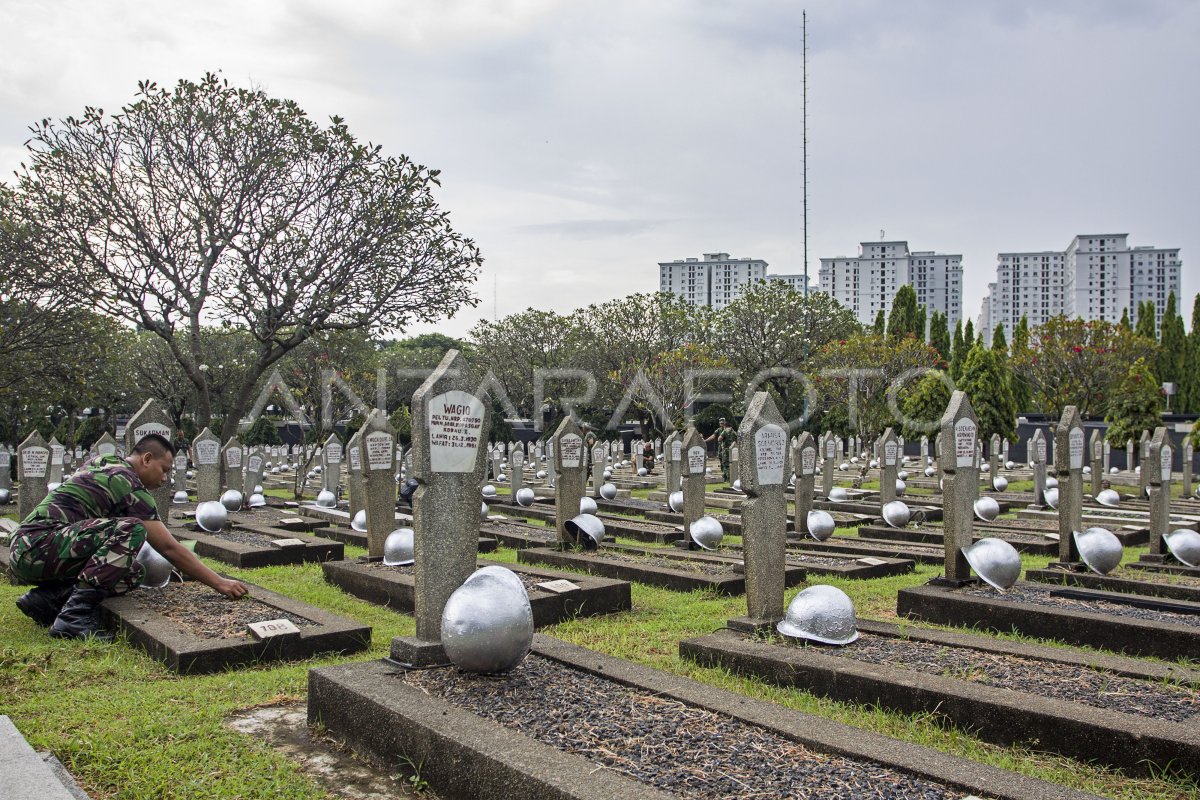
103, 488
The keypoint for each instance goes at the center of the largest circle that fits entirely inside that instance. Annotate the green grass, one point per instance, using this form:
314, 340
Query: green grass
128, 728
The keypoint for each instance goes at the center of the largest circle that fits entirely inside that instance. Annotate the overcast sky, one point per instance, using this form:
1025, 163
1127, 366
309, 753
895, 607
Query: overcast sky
583, 142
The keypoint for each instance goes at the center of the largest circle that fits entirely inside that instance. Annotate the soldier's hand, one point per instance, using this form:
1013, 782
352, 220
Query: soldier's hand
232, 589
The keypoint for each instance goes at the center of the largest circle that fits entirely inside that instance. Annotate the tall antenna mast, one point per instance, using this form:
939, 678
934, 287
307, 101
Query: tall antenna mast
804, 134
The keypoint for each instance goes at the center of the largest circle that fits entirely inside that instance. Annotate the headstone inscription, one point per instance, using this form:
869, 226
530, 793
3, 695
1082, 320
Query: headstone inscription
148, 419
206, 448
960, 484
829, 453
1037, 446
331, 463
804, 463
1157, 469
1096, 450
1143, 456
994, 456
377, 451
673, 456
889, 450
1069, 452
764, 467
57, 453
598, 457
253, 477
570, 464
734, 459
516, 466
33, 471
1188, 456
451, 420
106, 445
694, 482
231, 456
5, 468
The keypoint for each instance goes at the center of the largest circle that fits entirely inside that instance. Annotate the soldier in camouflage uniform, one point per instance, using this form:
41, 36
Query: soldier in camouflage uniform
79, 545
726, 438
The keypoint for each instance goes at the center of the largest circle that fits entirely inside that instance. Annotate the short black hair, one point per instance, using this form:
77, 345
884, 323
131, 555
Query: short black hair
155, 444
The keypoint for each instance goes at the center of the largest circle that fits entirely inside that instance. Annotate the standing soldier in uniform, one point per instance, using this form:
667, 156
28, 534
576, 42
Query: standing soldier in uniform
80, 544
726, 438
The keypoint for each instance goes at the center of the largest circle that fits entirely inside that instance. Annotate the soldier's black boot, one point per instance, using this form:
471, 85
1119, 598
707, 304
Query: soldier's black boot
43, 602
80, 616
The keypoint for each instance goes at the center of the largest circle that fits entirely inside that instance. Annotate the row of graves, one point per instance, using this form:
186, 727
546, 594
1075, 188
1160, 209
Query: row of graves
491, 708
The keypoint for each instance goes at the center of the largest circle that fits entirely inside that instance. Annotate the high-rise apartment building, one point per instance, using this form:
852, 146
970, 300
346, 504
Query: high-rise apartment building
712, 281
868, 283
1098, 276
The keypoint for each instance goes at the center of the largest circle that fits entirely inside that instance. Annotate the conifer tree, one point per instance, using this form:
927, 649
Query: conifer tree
1172, 349
986, 381
924, 406
1145, 322
998, 341
880, 323
939, 336
1124, 323
969, 335
1021, 393
904, 317
1189, 390
1134, 407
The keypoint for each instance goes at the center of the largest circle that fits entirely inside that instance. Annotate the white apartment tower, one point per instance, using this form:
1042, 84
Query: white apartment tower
1098, 276
713, 281
869, 282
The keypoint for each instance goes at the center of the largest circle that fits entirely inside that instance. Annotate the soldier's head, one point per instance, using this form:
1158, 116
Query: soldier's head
152, 458
724, 423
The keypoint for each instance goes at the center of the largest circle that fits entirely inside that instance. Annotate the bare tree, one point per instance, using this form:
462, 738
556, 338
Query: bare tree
214, 204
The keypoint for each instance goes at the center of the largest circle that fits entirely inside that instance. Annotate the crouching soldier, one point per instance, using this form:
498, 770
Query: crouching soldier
80, 544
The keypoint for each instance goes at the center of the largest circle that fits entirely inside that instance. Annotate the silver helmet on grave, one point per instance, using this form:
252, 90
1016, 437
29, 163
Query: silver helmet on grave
256, 500
1052, 498
608, 491
838, 495
1100, 549
1000, 483
1109, 497
707, 532
896, 513
642, 472
587, 505
5, 496
487, 624
1184, 544
902, 474
930, 472
525, 497
231, 499
489, 490
987, 509
820, 525
179, 498
156, 570
675, 502
211, 516
587, 529
398, 547
540, 474
994, 560
901, 488
736, 485
326, 499
822, 614
483, 510
359, 523
1051, 482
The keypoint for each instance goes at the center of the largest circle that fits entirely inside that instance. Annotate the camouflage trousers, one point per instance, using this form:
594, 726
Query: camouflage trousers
95, 552
723, 457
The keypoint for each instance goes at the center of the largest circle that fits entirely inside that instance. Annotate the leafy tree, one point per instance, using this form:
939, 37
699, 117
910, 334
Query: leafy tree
999, 343
880, 326
262, 431
210, 202
1125, 323
1021, 393
960, 352
1134, 406
1172, 351
1190, 381
401, 420
968, 337
939, 336
905, 319
90, 431
1146, 324
925, 405
986, 381
1073, 362
513, 349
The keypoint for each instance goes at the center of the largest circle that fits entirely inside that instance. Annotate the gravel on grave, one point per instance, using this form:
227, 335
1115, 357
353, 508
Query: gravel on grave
200, 611
678, 748
529, 581
545, 534
1077, 684
246, 537
1151, 576
678, 564
1039, 595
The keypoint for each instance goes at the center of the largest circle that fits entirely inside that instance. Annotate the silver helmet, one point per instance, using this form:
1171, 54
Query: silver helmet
326, 499
258, 489
822, 614
820, 525
483, 510
232, 500
587, 529
643, 472
1000, 483
985, 467
211, 516
1100, 549
587, 505
398, 547
156, 570
838, 495
1109, 497
896, 513
930, 472
853, 459
901, 488
608, 491
987, 509
359, 523
1113, 470
707, 532
1051, 482
501, 477
318, 469
489, 490
675, 501
525, 497
1184, 544
902, 474
5, 496
487, 624
845, 465
736, 485
607, 473
1009, 465
873, 464
1052, 498
994, 560
179, 498
256, 500
1087, 470
540, 474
